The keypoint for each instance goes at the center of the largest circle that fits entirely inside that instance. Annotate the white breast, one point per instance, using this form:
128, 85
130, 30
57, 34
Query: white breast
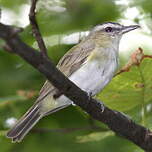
93, 76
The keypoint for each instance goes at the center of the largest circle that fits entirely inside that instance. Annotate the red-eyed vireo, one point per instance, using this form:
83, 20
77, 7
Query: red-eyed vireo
90, 64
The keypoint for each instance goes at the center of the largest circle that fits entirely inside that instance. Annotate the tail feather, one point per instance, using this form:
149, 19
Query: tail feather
28, 120
25, 124
27, 128
56, 109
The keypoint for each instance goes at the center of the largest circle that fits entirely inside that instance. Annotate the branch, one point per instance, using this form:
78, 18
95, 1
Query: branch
135, 60
68, 130
115, 120
35, 28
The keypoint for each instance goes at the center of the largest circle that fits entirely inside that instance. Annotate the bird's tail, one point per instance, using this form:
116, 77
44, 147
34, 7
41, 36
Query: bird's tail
29, 119
34, 114
25, 124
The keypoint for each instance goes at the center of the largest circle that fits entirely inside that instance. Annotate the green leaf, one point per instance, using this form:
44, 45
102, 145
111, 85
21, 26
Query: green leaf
94, 136
130, 89
14, 5
3, 132
75, 18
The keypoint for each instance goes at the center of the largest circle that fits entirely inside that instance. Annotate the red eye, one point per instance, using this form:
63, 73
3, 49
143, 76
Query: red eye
108, 29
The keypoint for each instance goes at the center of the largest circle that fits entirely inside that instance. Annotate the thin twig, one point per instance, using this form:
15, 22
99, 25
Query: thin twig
136, 59
68, 130
35, 28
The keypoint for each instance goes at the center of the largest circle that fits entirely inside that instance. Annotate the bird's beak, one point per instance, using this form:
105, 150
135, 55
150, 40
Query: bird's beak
126, 29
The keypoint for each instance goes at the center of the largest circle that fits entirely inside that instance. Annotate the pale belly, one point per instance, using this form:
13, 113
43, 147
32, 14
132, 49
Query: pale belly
94, 76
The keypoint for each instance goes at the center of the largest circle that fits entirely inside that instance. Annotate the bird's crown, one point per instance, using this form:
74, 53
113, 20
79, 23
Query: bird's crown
107, 27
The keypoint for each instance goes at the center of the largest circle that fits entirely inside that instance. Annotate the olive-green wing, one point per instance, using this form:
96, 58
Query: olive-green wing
74, 59
68, 64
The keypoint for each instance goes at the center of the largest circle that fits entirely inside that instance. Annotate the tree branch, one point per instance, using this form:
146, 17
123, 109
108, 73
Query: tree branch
35, 28
68, 130
135, 60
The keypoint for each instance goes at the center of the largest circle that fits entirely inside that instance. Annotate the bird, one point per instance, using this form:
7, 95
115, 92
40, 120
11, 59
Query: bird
91, 64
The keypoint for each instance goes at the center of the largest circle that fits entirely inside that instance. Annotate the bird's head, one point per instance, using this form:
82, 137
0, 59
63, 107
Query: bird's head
110, 32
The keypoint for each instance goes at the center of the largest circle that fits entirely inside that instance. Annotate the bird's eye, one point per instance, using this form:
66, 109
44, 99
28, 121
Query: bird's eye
108, 29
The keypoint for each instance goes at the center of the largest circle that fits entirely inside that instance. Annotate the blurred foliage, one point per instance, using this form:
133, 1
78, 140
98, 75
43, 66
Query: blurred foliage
129, 92
132, 89
13, 5
77, 11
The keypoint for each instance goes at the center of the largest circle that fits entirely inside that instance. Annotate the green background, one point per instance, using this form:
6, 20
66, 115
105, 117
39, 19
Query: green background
20, 83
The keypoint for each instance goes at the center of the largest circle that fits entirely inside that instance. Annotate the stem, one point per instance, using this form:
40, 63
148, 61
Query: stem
143, 108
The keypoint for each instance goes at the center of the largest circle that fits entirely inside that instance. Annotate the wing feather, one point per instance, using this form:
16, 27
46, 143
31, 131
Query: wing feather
68, 64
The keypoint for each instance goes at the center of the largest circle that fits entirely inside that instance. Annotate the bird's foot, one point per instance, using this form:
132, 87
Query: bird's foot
90, 95
101, 105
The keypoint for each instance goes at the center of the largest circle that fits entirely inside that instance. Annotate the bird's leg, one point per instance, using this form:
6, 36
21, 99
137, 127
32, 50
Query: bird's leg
102, 107
90, 95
